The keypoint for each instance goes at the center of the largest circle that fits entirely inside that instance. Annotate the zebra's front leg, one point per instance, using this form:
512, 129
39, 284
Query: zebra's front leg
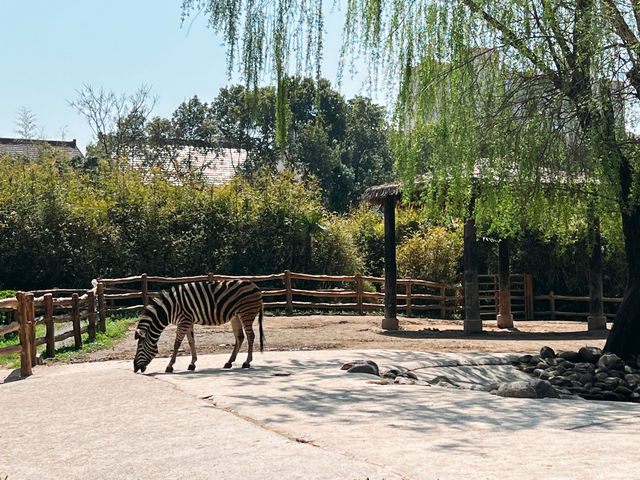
179, 337
239, 336
192, 346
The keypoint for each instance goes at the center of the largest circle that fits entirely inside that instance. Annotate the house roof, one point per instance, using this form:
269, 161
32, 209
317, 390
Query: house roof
31, 148
217, 166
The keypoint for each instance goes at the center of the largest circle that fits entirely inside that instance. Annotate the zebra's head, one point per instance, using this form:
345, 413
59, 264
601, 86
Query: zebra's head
147, 349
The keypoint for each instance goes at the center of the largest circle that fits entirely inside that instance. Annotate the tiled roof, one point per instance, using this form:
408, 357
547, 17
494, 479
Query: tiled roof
31, 148
217, 166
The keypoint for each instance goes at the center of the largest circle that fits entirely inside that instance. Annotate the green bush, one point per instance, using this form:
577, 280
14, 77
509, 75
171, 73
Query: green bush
432, 255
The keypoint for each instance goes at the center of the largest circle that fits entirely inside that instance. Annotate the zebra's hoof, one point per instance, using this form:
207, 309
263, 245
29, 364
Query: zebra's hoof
168, 370
191, 367
246, 365
227, 365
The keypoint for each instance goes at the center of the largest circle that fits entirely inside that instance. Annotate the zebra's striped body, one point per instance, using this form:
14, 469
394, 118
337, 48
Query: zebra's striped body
202, 303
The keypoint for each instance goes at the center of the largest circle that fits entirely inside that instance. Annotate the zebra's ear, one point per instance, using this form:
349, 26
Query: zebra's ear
140, 334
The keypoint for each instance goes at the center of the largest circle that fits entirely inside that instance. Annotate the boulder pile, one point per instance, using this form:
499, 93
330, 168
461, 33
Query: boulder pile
588, 373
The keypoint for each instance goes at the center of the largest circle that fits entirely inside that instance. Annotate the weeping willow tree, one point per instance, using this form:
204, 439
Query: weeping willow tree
520, 108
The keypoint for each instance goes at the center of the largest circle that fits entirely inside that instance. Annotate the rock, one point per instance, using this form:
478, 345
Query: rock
632, 379
544, 389
584, 367
365, 367
569, 356
601, 375
624, 391
519, 389
551, 361
612, 382
538, 372
638, 361
529, 369
442, 381
547, 352
408, 374
404, 381
389, 374
525, 359
610, 361
590, 354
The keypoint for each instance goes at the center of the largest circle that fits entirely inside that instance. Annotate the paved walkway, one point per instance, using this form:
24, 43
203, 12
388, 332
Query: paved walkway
296, 415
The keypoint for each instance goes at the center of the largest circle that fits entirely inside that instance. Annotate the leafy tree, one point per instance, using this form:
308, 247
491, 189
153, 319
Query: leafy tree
26, 124
523, 85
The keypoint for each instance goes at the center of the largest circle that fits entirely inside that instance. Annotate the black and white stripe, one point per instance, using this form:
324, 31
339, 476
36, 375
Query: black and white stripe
201, 303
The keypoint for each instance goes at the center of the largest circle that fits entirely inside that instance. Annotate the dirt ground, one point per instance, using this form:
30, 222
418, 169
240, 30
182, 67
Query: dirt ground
322, 332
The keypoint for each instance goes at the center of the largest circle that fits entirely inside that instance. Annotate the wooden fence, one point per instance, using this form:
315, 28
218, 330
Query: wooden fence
289, 291
565, 306
286, 291
49, 307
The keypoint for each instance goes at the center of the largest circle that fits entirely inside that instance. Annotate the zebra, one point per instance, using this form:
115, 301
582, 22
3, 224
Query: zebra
202, 303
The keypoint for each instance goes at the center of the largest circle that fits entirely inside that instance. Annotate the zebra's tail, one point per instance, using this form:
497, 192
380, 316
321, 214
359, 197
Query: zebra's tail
260, 328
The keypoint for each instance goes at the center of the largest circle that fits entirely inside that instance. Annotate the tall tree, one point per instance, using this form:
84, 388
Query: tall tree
536, 89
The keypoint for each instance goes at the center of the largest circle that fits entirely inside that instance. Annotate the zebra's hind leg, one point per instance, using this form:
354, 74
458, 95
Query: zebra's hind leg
192, 346
248, 330
180, 333
239, 335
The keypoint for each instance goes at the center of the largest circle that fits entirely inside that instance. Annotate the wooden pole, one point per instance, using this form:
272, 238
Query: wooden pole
596, 319
75, 319
552, 305
144, 287
359, 294
289, 293
443, 302
390, 320
472, 320
407, 291
102, 308
91, 315
25, 319
504, 317
48, 320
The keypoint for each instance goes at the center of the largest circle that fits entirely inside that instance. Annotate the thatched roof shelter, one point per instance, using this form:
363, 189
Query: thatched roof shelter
377, 194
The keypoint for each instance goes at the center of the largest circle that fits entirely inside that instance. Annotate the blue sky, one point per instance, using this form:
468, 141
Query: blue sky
52, 47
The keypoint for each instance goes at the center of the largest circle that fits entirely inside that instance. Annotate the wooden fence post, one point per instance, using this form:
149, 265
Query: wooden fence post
25, 318
48, 320
289, 293
407, 291
443, 301
102, 308
144, 287
75, 319
552, 305
359, 294
91, 315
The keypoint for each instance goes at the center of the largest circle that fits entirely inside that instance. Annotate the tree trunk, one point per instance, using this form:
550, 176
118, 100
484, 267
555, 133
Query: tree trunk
624, 339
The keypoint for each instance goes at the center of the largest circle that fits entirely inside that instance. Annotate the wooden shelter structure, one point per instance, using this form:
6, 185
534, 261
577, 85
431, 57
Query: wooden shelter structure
389, 195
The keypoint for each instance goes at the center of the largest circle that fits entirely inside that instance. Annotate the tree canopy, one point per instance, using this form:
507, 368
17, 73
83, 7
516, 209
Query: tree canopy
530, 98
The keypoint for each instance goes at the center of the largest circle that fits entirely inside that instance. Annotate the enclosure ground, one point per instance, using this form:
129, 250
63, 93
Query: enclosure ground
355, 332
297, 415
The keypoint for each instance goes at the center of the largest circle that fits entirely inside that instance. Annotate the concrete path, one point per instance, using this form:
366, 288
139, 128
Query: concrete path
296, 415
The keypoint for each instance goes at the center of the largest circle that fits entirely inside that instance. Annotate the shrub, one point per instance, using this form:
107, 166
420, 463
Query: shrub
432, 255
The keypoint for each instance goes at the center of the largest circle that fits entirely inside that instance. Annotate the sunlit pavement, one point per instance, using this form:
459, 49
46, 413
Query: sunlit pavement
297, 415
